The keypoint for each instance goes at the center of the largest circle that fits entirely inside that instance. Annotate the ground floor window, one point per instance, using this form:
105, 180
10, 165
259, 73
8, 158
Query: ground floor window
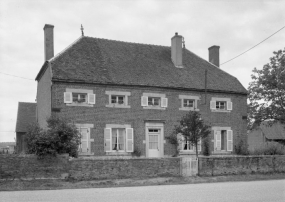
118, 138
223, 139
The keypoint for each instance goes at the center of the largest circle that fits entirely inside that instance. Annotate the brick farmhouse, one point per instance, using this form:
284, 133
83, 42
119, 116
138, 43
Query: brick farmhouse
127, 97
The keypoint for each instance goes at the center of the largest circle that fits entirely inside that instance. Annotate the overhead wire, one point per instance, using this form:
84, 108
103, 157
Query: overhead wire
253, 46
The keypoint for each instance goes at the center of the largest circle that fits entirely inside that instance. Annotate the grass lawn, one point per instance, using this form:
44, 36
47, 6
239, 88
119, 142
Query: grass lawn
17, 185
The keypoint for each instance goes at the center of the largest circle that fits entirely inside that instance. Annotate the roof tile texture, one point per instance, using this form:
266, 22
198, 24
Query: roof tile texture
26, 115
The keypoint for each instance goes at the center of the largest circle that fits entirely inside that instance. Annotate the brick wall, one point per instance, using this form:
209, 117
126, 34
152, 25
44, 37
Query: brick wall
100, 115
213, 166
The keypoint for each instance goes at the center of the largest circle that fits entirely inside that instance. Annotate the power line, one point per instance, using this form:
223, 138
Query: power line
253, 46
16, 76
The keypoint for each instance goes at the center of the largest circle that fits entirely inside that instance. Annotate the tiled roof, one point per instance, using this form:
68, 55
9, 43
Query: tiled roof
95, 60
273, 131
26, 115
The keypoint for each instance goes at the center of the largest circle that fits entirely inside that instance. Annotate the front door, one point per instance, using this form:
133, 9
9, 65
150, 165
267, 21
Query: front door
154, 136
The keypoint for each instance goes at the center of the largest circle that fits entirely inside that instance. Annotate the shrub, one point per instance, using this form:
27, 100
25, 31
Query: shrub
272, 148
241, 148
59, 137
206, 150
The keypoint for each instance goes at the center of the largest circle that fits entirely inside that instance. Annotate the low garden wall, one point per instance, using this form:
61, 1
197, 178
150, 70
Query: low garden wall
29, 166
237, 165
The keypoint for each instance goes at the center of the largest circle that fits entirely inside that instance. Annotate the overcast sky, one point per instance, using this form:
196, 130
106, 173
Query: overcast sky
233, 25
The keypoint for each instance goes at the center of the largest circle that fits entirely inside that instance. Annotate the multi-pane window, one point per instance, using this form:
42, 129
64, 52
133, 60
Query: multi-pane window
118, 99
118, 139
153, 101
79, 97
188, 103
223, 139
153, 138
221, 105
187, 146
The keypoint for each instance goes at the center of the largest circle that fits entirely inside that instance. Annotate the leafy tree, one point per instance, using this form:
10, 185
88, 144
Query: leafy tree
192, 128
267, 91
59, 137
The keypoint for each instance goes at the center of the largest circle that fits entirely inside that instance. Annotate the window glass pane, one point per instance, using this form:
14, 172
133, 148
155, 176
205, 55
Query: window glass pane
223, 140
121, 139
188, 103
156, 101
79, 97
120, 99
153, 141
114, 139
113, 99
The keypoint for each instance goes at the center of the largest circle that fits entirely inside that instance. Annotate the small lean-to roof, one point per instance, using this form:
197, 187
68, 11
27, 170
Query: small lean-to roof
94, 60
274, 131
26, 115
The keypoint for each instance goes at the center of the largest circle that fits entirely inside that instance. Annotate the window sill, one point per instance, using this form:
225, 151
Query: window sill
118, 106
188, 152
217, 110
222, 152
151, 107
188, 109
80, 105
118, 153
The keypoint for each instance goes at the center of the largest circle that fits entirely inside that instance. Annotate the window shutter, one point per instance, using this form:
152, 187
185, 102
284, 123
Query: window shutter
67, 97
130, 139
199, 145
144, 101
229, 140
213, 105
180, 139
107, 138
218, 140
229, 106
91, 98
164, 102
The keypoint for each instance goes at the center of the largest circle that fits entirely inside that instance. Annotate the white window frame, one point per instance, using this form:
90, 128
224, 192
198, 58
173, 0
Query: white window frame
217, 133
213, 104
118, 93
163, 103
89, 139
189, 97
127, 128
88, 93
190, 148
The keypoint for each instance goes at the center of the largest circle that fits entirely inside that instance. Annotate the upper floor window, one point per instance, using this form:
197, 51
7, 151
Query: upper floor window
154, 101
118, 99
221, 104
189, 102
79, 97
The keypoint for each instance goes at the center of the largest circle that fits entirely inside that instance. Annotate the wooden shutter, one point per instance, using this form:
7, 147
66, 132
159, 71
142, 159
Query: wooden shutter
218, 140
229, 140
107, 139
229, 106
91, 98
84, 140
129, 139
164, 102
67, 97
199, 145
144, 100
213, 105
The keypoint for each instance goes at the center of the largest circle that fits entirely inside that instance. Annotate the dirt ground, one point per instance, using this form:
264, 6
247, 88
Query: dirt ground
48, 184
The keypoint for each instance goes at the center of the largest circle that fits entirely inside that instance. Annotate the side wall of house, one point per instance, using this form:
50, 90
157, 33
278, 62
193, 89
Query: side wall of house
20, 142
136, 115
44, 98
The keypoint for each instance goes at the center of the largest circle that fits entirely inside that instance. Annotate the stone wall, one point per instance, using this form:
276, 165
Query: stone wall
237, 165
29, 166
123, 168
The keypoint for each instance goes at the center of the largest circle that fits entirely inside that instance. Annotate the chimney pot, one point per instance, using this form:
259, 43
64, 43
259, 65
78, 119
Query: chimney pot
176, 50
214, 55
48, 41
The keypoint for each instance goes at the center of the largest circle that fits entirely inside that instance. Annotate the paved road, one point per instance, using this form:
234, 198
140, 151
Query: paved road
260, 191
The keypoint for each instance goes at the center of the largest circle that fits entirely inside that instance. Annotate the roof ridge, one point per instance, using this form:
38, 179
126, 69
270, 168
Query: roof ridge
127, 42
64, 50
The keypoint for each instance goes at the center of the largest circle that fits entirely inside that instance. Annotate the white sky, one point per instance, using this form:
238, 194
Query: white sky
233, 25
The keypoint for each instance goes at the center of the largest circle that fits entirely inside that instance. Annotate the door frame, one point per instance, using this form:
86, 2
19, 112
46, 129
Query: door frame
152, 125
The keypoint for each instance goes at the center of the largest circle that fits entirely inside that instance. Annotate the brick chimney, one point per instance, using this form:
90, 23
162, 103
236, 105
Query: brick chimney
214, 55
176, 50
48, 40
